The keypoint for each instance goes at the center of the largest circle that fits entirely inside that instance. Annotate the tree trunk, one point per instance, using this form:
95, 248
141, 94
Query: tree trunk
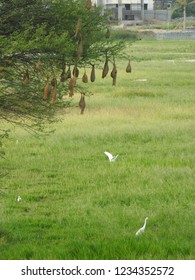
184, 17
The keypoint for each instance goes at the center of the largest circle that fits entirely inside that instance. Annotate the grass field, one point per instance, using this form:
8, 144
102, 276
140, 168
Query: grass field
77, 205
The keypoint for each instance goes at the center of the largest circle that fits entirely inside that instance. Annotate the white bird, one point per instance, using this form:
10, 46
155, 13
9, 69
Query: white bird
19, 199
142, 229
110, 156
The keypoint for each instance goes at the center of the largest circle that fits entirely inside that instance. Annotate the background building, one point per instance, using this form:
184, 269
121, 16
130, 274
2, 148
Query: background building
134, 11
129, 10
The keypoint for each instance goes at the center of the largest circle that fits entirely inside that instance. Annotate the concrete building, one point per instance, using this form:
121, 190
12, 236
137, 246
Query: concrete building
128, 10
132, 11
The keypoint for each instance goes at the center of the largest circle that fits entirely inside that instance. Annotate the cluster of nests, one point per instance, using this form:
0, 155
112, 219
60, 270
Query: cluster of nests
50, 89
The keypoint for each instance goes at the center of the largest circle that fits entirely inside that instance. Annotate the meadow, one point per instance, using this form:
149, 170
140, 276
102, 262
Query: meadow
75, 203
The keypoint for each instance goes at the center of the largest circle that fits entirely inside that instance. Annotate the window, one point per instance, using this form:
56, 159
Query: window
127, 6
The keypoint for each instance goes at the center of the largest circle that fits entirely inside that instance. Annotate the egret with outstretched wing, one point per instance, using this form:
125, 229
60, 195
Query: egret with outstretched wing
110, 156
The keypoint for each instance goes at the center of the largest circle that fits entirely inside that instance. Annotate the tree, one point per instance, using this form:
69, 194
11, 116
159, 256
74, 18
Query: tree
41, 42
183, 5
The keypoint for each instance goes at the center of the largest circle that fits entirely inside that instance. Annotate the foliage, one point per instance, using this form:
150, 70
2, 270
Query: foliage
41, 41
179, 6
127, 35
38, 40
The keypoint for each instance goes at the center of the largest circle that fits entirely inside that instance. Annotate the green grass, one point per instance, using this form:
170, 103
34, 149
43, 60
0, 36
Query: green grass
75, 204
158, 50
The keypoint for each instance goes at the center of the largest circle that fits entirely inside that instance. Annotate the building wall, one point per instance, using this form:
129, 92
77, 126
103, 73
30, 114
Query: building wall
130, 10
162, 15
133, 3
174, 35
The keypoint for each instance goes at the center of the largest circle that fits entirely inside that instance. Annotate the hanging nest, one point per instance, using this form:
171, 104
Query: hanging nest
80, 49
68, 73
46, 91
107, 34
85, 77
53, 82
82, 103
113, 74
63, 76
54, 91
75, 71
26, 78
105, 69
71, 86
92, 76
78, 28
38, 65
128, 68
88, 4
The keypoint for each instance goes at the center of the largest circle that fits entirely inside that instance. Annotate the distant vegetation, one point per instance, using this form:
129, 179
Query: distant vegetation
190, 8
124, 35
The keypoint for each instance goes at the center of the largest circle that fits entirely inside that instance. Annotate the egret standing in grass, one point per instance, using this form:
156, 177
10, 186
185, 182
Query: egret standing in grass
19, 199
111, 157
142, 229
